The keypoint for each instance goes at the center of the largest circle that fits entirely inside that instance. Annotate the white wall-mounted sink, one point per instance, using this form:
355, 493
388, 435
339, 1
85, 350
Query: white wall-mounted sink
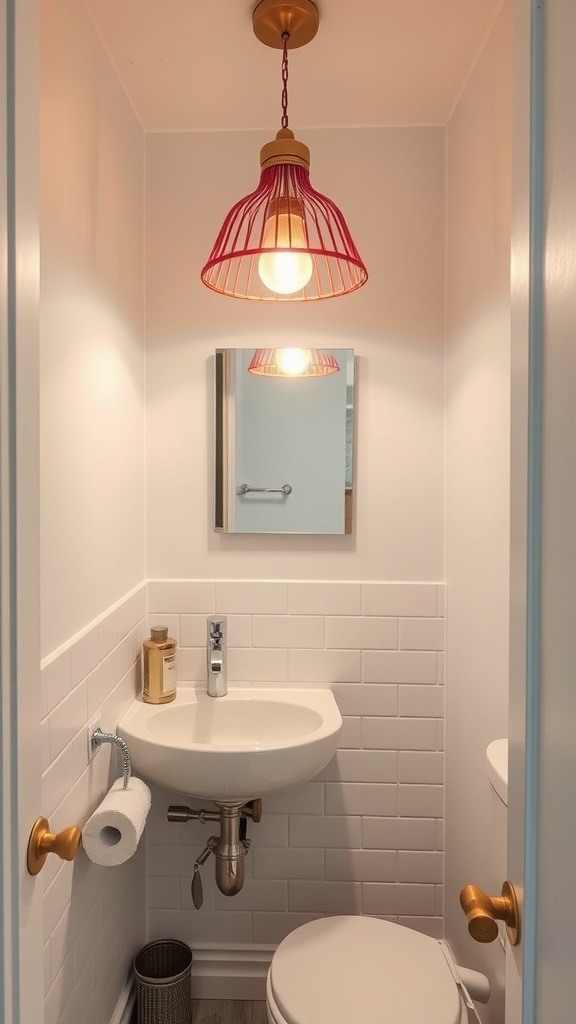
236, 748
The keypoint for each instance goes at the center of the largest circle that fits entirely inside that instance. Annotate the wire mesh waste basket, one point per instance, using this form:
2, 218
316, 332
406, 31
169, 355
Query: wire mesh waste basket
163, 989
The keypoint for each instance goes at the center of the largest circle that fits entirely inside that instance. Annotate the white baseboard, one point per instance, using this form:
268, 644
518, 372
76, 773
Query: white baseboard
218, 972
125, 1005
230, 972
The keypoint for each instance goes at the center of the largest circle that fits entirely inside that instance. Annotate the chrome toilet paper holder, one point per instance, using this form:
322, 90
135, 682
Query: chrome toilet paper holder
98, 737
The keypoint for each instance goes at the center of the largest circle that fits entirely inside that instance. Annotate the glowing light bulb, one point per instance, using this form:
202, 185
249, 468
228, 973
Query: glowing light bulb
293, 361
285, 272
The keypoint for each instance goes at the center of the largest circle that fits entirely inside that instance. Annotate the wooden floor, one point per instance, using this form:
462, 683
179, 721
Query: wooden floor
223, 1011
228, 1011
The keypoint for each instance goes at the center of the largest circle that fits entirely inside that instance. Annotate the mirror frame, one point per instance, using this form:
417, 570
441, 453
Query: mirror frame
222, 427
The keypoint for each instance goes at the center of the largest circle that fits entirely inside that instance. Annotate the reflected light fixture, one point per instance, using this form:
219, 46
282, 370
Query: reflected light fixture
284, 241
292, 362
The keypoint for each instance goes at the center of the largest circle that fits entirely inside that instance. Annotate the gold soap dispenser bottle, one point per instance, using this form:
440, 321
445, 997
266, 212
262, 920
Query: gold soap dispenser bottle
159, 657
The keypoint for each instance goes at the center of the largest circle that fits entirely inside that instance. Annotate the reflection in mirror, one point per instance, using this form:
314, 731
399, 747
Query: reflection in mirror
284, 445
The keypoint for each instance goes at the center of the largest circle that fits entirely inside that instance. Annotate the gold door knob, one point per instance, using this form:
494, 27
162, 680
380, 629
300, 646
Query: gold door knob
483, 912
42, 841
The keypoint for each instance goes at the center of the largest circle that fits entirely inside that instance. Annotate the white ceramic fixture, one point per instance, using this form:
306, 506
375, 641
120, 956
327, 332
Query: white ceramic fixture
497, 767
497, 772
236, 748
326, 969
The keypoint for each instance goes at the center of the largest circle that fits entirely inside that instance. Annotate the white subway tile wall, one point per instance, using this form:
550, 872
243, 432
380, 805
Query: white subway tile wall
366, 835
94, 918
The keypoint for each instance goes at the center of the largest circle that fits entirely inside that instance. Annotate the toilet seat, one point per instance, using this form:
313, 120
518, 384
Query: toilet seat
340, 969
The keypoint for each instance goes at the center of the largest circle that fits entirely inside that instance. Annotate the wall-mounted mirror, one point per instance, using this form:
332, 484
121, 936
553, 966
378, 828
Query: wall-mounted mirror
284, 440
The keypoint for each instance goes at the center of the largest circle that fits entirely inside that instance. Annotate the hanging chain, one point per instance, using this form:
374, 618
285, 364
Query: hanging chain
285, 37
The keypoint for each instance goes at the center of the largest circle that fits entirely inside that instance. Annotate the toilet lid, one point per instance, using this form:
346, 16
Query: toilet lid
340, 969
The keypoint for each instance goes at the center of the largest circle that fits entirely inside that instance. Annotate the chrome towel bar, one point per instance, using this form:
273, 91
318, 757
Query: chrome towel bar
247, 489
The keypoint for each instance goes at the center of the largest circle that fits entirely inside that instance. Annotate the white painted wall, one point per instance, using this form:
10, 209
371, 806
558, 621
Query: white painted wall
92, 357
390, 186
91, 492
477, 478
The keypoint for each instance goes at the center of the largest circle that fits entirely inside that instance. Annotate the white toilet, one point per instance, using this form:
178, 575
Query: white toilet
341, 969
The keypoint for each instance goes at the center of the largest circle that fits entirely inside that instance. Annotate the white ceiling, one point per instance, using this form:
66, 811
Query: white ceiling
196, 65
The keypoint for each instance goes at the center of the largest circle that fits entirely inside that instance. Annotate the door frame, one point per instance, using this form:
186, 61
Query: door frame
20, 707
550, 827
526, 329
541, 984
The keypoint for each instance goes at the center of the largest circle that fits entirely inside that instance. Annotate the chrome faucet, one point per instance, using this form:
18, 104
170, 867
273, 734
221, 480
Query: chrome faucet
216, 656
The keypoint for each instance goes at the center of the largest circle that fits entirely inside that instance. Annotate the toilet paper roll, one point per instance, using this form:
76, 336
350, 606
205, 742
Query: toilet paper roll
111, 835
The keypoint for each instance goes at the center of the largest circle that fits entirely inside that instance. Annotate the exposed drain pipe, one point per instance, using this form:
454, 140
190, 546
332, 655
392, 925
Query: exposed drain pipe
229, 848
230, 851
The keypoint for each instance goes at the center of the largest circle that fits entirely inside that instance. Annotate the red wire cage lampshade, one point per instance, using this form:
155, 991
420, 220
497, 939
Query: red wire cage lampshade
284, 241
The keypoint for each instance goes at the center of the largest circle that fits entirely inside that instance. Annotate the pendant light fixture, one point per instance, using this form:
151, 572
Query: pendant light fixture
284, 241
